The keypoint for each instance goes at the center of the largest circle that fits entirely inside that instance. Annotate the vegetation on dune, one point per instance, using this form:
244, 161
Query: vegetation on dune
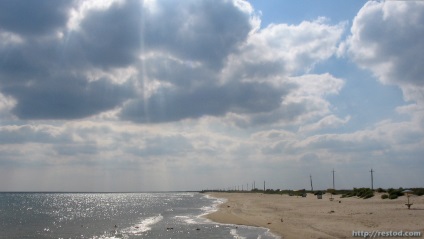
364, 193
395, 193
360, 192
418, 191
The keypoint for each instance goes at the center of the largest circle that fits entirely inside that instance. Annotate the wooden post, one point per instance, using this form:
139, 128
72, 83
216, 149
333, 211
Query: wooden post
312, 187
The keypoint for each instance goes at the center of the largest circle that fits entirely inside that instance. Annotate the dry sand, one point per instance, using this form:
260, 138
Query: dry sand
309, 217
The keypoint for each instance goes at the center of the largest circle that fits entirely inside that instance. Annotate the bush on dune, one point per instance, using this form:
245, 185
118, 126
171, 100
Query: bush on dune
359, 192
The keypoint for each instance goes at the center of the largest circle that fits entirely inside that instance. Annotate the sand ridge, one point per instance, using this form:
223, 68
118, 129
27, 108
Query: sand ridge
309, 217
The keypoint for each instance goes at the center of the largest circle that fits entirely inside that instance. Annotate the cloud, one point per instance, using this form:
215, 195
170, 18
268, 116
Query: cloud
176, 104
169, 91
76, 149
330, 121
304, 102
170, 145
205, 31
45, 134
33, 18
65, 97
48, 83
184, 60
247, 85
381, 142
6, 104
110, 37
385, 40
281, 49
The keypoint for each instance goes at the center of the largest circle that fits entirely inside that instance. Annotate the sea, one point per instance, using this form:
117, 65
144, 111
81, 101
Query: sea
116, 215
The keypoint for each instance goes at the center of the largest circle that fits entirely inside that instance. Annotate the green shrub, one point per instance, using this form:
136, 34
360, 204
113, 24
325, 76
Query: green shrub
362, 192
395, 193
368, 195
418, 191
380, 190
393, 196
349, 194
384, 196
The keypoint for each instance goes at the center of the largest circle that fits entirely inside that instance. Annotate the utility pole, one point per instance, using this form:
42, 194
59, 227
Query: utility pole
254, 186
333, 179
264, 186
372, 180
312, 187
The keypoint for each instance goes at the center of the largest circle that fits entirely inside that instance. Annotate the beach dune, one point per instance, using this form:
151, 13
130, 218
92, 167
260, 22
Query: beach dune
309, 217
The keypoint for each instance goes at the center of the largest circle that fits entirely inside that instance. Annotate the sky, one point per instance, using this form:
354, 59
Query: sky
157, 95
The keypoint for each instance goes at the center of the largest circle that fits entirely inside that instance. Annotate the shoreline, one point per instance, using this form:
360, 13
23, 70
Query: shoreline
297, 217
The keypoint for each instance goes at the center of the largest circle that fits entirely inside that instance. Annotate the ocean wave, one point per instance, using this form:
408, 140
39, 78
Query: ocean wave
234, 233
212, 208
187, 219
143, 226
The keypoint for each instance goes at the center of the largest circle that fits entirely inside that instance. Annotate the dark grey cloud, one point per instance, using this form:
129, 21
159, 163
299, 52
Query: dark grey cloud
205, 31
46, 87
287, 113
172, 104
109, 37
33, 17
181, 74
48, 77
22, 62
66, 97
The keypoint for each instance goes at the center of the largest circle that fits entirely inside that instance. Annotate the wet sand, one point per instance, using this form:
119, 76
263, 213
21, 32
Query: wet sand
309, 217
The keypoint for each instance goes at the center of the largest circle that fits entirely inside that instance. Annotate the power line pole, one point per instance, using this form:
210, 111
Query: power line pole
312, 187
264, 186
333, 179
372, 179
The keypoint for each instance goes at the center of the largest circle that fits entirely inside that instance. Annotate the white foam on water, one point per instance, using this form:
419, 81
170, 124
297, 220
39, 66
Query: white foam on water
111, 235
214, 207
234, 233
187, 219
269, 233
143, 226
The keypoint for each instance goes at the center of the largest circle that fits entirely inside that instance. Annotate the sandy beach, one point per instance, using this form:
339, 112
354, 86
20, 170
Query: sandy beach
309, 217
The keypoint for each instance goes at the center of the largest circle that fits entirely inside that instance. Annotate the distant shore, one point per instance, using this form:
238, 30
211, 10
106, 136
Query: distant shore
309, 217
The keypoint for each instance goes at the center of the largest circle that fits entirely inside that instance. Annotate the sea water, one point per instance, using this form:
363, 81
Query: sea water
115, 215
